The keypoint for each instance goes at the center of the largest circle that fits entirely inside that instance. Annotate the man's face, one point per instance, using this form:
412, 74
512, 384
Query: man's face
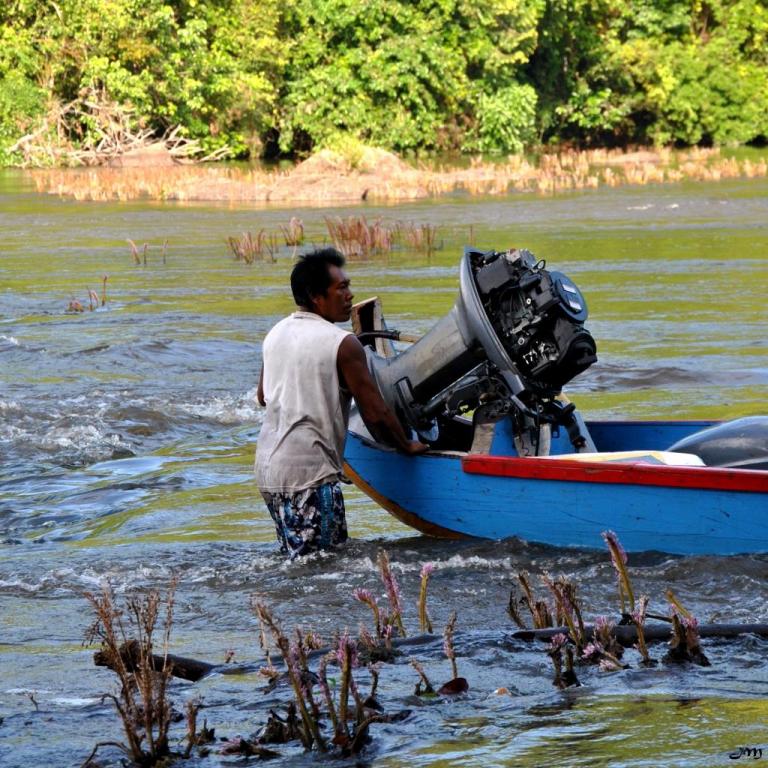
336, 304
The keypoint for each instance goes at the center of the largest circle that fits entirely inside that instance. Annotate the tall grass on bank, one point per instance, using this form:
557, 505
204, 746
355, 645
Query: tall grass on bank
550, 173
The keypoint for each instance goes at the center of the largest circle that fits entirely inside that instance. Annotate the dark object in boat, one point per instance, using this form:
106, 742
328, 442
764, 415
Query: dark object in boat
739, 444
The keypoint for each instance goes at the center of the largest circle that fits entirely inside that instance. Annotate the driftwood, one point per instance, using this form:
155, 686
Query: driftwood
186, 669
194, 669
627, 634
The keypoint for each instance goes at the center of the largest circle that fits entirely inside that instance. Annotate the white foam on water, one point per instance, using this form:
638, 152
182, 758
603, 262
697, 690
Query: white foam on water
60, 580
76, 436
11, 341
76, 702
366, 564
26, 691
242, 409
66, 581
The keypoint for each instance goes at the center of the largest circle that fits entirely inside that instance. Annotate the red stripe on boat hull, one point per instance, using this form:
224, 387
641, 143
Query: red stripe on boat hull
704, 478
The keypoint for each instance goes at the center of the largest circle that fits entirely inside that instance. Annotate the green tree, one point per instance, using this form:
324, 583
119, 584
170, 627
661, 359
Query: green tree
405, 75
210, 67
685, 71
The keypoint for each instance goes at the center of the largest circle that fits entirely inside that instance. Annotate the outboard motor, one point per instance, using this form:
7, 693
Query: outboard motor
514, 337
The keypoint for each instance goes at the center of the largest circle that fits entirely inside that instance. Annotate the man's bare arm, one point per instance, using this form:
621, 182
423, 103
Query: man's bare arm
378, 417
260, 388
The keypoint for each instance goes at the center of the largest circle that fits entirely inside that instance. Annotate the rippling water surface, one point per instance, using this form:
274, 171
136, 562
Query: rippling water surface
127, 436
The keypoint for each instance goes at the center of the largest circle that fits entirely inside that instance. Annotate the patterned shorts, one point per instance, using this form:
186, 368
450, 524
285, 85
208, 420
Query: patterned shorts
308, 520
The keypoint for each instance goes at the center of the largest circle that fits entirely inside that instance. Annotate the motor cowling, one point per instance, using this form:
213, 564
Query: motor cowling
539, 317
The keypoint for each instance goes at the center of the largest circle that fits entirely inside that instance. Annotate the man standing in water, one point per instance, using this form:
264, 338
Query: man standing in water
310, 371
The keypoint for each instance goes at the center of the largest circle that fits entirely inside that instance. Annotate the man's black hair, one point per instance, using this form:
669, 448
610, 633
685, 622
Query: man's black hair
310, 276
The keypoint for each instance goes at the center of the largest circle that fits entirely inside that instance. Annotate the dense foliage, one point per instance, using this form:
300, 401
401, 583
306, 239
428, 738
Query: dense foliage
477, 75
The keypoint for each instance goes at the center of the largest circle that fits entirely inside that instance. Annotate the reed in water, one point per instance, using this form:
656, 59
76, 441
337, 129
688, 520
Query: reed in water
329, 713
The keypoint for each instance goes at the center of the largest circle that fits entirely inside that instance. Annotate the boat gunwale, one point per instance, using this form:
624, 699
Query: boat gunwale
623, 473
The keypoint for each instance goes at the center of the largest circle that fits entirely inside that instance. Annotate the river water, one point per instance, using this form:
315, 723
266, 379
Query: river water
126, 442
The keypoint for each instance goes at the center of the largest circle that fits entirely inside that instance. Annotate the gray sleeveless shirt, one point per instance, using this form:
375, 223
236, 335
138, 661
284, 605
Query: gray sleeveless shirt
301, 444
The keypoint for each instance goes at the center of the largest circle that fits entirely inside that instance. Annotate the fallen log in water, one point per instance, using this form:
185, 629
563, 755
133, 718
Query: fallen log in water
627, 634
185, 668
194, 669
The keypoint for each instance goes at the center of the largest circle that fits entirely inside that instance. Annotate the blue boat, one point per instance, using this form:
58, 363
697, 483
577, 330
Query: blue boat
568, 502
511, 456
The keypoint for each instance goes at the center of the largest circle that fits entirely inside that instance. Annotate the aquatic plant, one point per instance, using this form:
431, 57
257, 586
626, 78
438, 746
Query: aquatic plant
325, 689
134, 252
513, 610
676, 604
619, 560
603, 633
294, 232
346, 655
74, 306
393, 592
354, 236
638, 619
427, 690
271, 247
685, 643
127, 637
295, 662
563, 678
448, 647
425, 625
308, 730
567, 608
139, 260
456, 684
248, 248
373, 670
194, 737
609, 663
554, 172
539, 610
420, 237
598, 653
364, 596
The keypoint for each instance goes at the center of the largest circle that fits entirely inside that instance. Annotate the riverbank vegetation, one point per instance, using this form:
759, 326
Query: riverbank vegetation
328, 177
287, 78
